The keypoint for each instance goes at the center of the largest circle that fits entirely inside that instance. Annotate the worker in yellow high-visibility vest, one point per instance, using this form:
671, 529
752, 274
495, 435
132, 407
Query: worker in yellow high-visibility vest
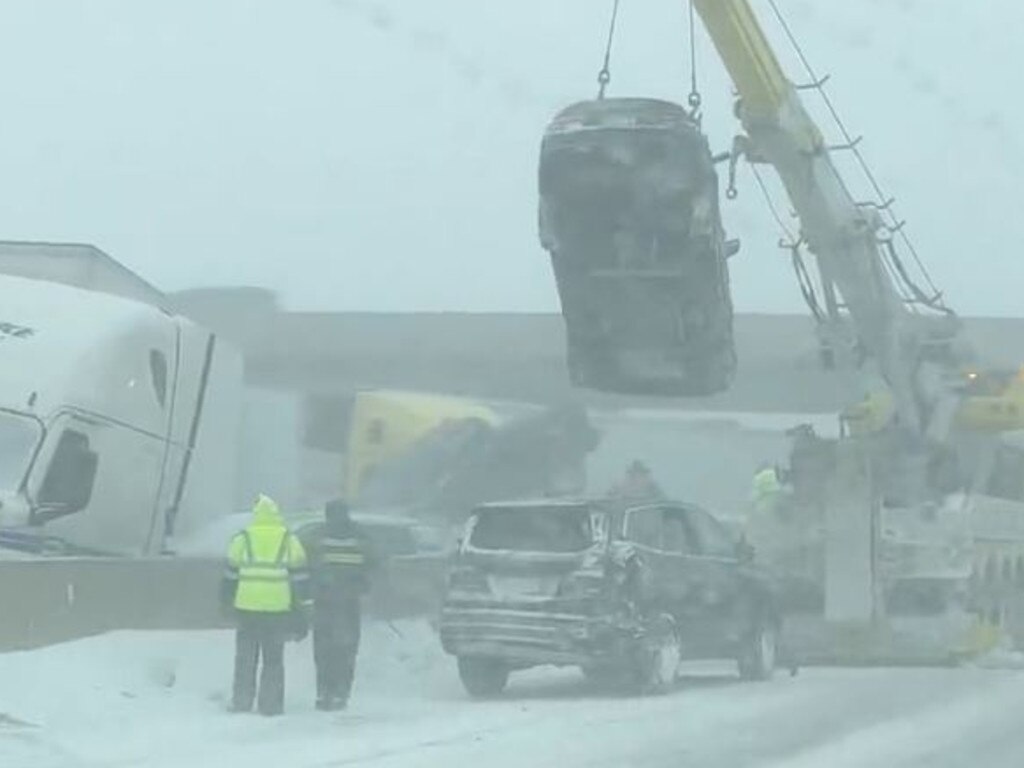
266, 586
767, 490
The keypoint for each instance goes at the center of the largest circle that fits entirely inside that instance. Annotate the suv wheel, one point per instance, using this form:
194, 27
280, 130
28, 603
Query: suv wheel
657, 657
483, 678
759, 653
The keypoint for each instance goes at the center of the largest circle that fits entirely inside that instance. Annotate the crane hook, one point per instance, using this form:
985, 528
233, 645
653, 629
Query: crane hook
739, 149
605, 75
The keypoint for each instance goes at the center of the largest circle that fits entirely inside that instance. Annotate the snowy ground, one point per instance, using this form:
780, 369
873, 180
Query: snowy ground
157, 699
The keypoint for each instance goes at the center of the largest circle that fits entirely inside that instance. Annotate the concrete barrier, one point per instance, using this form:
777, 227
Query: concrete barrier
49, 601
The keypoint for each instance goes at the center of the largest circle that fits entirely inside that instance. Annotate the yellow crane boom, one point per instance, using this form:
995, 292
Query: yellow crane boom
747, 55
842, 234
913, 352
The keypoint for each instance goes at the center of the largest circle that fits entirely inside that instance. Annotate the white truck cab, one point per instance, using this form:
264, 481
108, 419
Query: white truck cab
118, 419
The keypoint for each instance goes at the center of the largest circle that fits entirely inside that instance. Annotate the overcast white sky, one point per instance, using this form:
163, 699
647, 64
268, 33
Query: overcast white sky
381, 154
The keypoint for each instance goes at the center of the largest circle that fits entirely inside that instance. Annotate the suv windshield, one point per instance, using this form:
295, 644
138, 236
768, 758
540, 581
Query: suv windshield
533, 529
18, 438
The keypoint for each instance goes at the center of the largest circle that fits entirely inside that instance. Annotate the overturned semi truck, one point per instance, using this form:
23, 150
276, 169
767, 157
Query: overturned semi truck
119, 418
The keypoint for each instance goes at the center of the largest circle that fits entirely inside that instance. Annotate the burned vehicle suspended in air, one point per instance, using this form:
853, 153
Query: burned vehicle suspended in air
622, 589
629, 213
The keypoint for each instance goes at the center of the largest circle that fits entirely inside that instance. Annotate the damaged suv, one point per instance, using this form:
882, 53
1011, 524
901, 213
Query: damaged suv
623, 590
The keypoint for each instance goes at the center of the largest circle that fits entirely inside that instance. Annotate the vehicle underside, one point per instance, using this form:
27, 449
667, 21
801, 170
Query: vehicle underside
629, 213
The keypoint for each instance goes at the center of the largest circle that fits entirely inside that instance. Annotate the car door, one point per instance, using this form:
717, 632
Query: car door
720, 580
685, 577
643, 528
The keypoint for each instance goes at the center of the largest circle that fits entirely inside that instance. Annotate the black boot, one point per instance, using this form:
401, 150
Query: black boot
336, 704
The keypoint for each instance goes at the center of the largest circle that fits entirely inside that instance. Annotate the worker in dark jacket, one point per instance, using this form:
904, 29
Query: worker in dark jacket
266, 588
340, 560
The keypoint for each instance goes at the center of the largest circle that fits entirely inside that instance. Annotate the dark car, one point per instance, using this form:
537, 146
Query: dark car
629, 213
409, 560
623, 590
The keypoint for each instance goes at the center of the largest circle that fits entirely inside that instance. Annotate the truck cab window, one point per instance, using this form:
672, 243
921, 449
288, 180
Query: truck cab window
71, 475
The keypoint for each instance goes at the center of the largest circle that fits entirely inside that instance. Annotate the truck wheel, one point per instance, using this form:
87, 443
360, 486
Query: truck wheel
759, 652
483, 678
656, 658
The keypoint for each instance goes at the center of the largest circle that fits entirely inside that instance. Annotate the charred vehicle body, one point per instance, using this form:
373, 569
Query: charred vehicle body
623, 590
464, 462
629, 213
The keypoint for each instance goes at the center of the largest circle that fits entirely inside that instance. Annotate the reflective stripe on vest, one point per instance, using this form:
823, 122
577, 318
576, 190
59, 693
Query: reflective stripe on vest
256, 570
342, 551
344, 558
327, 541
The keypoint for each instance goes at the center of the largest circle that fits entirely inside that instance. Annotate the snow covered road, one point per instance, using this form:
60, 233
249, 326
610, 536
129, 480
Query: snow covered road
157, 699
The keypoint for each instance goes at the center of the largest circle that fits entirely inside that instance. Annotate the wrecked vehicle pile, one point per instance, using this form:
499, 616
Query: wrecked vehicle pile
443, 475
624, 590
629, 213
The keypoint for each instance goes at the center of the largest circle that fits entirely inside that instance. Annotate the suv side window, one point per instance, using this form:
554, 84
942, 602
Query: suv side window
644, 527
713, 538
678, 533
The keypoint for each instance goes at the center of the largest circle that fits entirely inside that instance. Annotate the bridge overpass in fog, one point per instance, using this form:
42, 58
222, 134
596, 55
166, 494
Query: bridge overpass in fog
328, 356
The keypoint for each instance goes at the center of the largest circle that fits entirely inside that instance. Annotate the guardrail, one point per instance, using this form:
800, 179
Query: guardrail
52, 600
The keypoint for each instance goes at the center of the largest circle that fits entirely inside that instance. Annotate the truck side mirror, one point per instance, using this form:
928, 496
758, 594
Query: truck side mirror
732, 247
68, 484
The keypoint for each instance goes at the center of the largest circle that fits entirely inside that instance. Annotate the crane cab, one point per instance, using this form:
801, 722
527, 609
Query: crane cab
629, 213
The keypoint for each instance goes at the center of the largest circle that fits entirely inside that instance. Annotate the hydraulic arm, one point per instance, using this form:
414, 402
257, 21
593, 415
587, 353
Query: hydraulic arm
912, 351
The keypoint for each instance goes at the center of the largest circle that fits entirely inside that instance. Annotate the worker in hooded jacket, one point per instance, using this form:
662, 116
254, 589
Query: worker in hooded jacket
767, 490
266, 587
340, 560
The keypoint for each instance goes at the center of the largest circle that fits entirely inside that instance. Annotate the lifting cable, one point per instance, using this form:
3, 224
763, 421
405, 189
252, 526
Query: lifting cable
908, 291
803, 277
933, 302
792, 243
776, 214
604, 76
694, 99
894, 225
